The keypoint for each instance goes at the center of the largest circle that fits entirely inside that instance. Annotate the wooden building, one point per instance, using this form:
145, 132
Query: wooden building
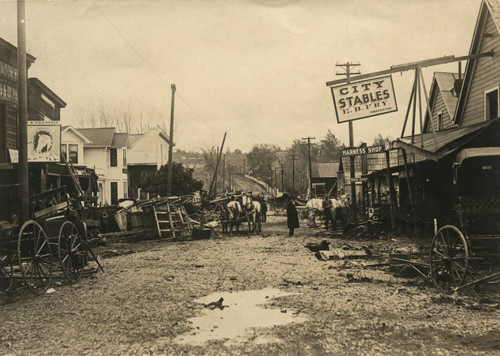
43, 106
324, 178
147, 153
465, 114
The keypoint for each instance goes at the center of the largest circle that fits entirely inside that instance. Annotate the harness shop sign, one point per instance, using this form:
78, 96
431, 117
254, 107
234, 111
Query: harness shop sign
44, 141
358, 151
363, 99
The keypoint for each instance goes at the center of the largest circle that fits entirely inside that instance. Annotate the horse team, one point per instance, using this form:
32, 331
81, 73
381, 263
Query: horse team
245, 207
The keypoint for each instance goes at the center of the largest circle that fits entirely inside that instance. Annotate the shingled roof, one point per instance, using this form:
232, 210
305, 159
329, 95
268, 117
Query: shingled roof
100, 137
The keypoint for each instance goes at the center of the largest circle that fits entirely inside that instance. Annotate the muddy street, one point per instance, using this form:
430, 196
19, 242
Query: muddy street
164, 297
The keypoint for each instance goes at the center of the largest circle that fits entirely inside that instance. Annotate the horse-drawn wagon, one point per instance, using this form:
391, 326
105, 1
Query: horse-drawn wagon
466, 251
53, 239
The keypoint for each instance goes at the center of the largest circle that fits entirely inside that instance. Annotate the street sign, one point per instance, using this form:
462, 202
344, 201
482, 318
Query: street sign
370, 97
358, 179
361, 151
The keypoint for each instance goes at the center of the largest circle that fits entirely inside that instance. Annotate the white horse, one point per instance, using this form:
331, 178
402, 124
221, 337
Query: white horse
314, 207
253, 210
234, 208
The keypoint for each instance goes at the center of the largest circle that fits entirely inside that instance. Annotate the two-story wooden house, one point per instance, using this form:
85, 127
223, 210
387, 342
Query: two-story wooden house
103, 150
146, 154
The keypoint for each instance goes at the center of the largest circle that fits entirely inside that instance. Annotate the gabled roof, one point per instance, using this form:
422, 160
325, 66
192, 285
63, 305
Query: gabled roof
325, 170
46, 91
133, 138
100, 137
491, 7
443, 83
120, 140
84, 138
446, 84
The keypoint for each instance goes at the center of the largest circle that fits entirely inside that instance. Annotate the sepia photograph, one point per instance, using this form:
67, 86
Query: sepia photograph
249, 177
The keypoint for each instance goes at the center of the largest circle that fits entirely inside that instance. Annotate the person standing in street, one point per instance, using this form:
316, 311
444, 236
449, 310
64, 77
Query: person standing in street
292, 217
263, 204
327, 210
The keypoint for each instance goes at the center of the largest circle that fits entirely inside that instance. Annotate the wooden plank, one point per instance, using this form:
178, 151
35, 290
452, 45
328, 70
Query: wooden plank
50, 210
48, 193
409, 66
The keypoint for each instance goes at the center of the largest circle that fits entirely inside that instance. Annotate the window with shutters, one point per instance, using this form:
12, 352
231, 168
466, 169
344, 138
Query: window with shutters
113, 157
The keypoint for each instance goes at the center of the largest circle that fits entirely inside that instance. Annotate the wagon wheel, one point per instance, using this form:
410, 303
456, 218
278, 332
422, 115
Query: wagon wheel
6, 274
34, 256
449, 258
70, 251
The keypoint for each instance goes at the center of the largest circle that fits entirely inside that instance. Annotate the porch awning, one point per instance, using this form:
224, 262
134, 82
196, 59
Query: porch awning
424, 146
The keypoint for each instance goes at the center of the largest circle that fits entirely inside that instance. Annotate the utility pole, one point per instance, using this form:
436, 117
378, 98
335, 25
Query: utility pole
230, 177
293, 174
224, 173
244, 167
310, 164
22, 107
276, 179
211, 190
347, 67
171, 143
282, 171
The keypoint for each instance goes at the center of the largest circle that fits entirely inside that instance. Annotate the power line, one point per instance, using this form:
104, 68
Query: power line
160, 77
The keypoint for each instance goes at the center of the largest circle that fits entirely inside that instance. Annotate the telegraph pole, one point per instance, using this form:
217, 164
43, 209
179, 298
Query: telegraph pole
244, 167
224, 173
347, 67
293, 174
22, 106
282, 171
276, 179
310, 164
171, 143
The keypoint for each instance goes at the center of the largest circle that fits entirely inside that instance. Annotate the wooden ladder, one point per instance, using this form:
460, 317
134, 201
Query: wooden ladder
72, 173
168, 221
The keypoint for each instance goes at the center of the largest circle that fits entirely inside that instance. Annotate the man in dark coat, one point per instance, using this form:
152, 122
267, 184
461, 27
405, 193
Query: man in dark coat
327, 209
292, 218
264, 208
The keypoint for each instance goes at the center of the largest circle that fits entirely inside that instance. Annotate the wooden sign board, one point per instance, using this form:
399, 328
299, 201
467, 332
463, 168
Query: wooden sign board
14, 155
44, 141
348, 152
359, 100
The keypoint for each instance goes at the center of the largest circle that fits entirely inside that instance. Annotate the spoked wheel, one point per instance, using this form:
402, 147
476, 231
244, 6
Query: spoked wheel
449, 258
35, 257
71, 251
6, 274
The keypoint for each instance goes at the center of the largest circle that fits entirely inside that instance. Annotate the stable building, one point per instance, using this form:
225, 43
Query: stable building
463, 113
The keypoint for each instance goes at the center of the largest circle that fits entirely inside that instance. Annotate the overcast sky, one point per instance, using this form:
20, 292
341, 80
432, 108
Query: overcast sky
254, 68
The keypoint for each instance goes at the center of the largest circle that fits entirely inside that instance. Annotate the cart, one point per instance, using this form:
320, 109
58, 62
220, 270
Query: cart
53, 240
466, 251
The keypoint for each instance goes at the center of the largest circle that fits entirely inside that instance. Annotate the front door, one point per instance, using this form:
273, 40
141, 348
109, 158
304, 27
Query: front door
114, 193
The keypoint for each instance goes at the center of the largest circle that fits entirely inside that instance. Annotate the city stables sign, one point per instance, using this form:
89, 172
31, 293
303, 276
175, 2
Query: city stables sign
365, 98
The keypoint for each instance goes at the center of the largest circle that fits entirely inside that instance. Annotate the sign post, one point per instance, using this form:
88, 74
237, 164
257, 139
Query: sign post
359, 100
347, 66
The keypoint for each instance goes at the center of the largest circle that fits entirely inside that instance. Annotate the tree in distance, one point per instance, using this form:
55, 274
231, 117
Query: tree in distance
182, 181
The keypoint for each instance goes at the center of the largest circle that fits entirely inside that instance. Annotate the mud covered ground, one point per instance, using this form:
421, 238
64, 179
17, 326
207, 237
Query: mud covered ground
146, 298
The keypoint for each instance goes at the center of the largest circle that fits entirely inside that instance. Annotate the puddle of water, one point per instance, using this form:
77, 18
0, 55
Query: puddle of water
243, 310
